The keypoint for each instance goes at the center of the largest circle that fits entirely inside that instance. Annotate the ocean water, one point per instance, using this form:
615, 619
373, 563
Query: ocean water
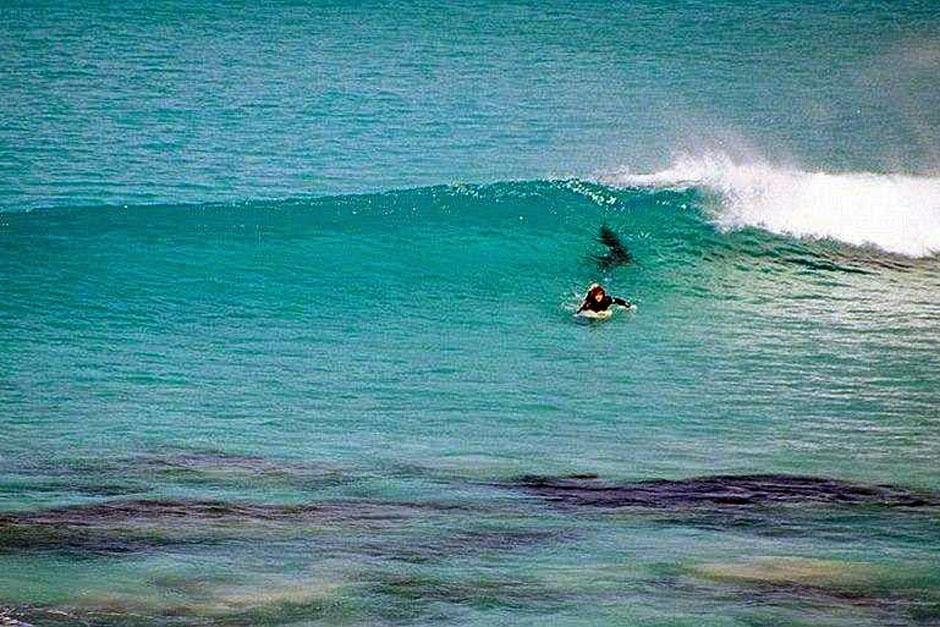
286, 298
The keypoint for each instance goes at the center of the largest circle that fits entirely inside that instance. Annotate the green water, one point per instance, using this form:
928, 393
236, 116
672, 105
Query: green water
264, 360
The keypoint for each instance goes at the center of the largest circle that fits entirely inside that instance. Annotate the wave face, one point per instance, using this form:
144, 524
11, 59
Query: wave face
308, 289
427, 303
899, 214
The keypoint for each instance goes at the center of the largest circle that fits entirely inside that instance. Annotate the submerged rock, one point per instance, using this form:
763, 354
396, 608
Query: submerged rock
141, 524
717, 491
133, 525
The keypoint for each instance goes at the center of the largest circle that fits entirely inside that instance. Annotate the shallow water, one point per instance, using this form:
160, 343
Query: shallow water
263, 361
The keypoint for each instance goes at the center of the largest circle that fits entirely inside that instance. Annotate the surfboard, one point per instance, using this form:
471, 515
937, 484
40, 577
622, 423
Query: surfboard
587, 314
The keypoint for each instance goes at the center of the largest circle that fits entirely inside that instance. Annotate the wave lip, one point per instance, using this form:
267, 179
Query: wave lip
896, 213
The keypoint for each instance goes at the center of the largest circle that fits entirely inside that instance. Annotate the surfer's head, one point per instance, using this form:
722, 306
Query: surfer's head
596, 293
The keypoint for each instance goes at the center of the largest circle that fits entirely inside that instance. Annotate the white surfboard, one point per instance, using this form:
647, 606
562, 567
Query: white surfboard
587, 314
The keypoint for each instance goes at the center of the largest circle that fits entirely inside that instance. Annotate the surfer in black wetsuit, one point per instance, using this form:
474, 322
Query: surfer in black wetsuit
598, 300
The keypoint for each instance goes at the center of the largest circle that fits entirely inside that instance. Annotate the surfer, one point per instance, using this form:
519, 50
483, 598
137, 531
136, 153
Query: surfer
598, 300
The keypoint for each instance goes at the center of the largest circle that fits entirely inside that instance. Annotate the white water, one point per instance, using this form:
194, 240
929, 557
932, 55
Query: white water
897, 213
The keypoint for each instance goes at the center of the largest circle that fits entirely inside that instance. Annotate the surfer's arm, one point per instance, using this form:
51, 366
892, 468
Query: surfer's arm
621, 302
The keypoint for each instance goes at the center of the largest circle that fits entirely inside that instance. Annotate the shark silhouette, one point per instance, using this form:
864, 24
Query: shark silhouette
616, 255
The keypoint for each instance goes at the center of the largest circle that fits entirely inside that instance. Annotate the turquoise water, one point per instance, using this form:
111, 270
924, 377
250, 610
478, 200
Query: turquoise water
286, 316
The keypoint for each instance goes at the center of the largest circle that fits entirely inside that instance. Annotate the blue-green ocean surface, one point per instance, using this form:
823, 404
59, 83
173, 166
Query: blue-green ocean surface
286, 298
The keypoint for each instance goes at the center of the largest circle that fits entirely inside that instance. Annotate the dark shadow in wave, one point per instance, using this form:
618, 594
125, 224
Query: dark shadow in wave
616, 255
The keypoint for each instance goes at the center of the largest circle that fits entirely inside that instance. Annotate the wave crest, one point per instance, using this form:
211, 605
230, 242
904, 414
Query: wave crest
897, 213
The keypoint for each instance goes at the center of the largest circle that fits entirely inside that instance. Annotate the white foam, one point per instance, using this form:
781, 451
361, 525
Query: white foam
896, 213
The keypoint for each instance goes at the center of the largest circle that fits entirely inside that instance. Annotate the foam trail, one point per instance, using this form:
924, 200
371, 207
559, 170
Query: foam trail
899, 214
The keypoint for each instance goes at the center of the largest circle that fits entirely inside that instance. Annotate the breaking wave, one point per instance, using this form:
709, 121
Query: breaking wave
896, 213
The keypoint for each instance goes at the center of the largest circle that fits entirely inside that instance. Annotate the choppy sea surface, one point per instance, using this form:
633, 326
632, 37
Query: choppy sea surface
286, 300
